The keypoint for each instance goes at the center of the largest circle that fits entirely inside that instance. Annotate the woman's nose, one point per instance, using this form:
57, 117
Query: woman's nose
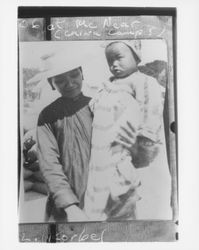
69, 82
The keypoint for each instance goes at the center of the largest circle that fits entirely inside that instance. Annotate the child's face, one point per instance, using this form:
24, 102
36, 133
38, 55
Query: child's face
120, 60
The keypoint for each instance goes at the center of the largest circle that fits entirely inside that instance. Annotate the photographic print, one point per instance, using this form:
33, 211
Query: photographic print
97, 129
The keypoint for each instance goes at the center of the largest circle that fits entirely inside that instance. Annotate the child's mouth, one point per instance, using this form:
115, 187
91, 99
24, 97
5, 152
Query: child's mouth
117, 71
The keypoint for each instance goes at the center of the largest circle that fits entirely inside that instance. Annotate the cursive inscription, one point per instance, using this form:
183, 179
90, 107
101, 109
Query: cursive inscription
83, 236
96, 28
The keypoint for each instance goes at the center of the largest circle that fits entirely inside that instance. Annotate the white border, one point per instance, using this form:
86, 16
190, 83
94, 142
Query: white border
188, 122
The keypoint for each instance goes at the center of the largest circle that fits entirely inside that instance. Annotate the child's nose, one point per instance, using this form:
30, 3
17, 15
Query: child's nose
115, 63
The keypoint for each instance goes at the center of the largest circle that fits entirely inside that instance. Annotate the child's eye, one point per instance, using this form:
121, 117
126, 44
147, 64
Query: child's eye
110, 62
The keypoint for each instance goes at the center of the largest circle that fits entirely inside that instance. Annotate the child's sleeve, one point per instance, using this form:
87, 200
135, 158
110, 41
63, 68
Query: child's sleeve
95, 100
151, 108
92, 104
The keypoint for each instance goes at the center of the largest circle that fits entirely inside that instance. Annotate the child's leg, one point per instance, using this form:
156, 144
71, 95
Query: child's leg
124, 177
124, 208
96, 195
124, 191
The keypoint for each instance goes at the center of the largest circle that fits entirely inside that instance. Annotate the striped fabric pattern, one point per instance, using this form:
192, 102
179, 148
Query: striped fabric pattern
111, 171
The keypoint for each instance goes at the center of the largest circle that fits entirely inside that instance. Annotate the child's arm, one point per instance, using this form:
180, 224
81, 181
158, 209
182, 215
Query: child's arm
143, 143
152, 109
129, 114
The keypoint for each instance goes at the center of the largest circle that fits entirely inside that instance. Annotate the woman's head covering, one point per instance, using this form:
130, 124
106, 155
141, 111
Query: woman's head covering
54, 64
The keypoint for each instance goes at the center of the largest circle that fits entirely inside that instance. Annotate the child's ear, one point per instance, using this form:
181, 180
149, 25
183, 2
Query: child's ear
137, 59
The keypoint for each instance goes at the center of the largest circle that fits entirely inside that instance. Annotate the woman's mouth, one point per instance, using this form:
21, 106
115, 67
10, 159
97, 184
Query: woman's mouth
69, 89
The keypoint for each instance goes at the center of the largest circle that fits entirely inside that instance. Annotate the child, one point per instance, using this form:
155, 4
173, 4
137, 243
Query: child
127, 96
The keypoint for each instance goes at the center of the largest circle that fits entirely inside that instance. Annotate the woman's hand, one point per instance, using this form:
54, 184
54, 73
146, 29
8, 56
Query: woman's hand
127, 137
142, 149
74, 213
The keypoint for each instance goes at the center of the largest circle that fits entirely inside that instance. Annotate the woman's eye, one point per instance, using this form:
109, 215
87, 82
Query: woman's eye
59, 81
74, 74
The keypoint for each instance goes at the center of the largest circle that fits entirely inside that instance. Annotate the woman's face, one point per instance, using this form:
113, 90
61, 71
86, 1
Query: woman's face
69, 84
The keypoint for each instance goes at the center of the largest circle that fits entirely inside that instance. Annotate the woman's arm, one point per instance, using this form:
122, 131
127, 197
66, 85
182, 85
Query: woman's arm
52, 171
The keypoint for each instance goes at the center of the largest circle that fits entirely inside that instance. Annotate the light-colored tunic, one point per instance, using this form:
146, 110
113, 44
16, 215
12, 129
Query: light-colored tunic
136, 99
